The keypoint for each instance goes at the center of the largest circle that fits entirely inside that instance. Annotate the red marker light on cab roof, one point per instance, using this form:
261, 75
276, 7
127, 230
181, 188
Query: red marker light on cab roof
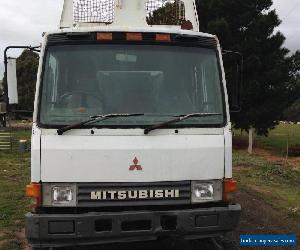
187, 25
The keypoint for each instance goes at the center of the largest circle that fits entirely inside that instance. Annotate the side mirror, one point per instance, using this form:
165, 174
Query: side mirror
12, 84
233, 65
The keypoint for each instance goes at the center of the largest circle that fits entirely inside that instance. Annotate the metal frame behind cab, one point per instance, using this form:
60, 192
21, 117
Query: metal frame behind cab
5, 96
128, 13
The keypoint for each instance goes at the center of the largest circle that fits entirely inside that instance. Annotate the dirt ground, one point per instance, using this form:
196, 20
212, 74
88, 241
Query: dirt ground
260, 218
269, 155
279, 160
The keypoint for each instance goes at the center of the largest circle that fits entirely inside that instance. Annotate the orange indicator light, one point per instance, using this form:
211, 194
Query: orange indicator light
134, 36
104, 36
163, 37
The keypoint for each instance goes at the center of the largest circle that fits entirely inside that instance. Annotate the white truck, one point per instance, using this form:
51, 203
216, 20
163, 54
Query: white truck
131, 137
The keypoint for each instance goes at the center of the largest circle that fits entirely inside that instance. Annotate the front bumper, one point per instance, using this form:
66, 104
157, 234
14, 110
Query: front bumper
57, 230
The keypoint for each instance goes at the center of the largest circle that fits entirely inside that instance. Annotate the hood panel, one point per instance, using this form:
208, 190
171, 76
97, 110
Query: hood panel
108, 158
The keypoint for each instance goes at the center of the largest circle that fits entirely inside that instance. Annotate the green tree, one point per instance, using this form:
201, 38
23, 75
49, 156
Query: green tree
248, 26
292, 114
27, 65
294, 65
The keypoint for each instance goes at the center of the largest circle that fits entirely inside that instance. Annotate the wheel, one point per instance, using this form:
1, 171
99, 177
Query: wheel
44, 248
229, 244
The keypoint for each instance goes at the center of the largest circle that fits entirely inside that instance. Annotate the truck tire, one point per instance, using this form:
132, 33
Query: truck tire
223, 243
229, 244
41, 248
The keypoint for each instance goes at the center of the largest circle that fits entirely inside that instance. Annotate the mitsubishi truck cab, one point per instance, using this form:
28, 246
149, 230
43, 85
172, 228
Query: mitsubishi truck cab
131, 137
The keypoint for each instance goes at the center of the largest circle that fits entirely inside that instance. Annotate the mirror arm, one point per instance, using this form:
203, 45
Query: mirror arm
224, 52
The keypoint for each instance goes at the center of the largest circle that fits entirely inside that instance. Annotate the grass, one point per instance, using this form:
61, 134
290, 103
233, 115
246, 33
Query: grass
22, 134
281, 136
13, 179
12, 244
279, 185
14, 176
278, 138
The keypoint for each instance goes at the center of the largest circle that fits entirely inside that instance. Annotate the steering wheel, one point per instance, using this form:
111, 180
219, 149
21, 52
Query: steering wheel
62, 98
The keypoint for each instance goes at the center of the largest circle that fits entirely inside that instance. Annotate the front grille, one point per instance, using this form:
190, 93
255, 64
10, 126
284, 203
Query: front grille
62, 38
133, 194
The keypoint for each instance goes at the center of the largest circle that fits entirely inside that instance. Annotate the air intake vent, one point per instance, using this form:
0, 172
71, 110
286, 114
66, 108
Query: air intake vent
71, 37
202, 41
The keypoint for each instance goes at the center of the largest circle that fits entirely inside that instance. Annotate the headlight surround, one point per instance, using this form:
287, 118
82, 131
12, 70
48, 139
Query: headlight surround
61, 195
206, 191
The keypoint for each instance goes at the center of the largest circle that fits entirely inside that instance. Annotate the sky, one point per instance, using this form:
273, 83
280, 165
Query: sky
22, 22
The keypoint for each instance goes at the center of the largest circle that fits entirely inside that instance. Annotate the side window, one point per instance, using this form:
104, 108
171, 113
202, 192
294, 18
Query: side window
50, 90
207, 81
165, 12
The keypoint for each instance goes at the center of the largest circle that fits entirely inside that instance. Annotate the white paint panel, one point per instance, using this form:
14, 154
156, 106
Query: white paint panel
130, 13
228, 151
108, 158
35, 154
67, 14
12, 84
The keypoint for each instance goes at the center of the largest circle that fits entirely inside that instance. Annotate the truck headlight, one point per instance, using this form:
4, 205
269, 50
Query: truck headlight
63, 195
206, 191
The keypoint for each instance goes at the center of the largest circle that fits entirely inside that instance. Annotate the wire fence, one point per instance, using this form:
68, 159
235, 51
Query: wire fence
165, 12
93, 11
159, 12
16, 136
153, 5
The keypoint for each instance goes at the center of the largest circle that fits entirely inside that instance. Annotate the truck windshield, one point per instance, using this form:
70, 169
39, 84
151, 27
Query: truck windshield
160, 81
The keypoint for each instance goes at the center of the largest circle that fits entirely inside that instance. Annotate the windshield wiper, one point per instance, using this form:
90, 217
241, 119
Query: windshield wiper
93, 119
177, 119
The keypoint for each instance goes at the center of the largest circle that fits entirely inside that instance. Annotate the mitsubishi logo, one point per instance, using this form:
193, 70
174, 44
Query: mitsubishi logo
135, 166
